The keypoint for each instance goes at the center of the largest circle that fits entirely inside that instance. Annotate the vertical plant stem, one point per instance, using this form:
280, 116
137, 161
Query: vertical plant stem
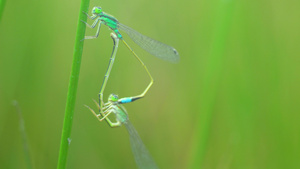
211, 80
2, 4
24, 135
73, 83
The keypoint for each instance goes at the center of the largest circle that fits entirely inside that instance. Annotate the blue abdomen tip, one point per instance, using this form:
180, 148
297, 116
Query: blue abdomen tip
126, 100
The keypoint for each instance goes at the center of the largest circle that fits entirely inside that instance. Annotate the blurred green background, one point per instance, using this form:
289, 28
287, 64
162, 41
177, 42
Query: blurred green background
231, 102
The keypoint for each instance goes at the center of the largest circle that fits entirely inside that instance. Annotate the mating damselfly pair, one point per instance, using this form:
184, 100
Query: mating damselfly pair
113, 105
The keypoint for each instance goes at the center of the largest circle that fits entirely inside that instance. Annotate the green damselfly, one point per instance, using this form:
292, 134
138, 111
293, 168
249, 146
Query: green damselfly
152, 46
141, 155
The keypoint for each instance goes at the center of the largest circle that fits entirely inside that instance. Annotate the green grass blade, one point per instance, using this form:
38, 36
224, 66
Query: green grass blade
211, 80
24, 135
2, 4
73, 83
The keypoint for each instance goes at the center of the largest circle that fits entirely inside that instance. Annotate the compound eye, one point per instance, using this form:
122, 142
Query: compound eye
113, 97
98, 10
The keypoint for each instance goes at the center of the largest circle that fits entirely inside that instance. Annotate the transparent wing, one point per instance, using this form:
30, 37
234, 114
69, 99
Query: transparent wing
152, 46
141, 155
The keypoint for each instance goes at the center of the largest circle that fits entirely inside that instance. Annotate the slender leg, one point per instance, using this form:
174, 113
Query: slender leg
131, 99
111, 124
92, 26
106, 106
105, 116
91, 17
110, 65
97, 115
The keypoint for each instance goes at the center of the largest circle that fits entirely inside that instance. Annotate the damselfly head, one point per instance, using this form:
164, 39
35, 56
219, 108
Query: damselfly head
113, 98
96, 10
